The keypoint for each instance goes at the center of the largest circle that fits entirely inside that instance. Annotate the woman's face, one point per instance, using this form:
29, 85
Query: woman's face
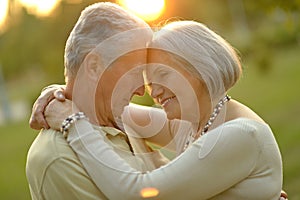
173, 87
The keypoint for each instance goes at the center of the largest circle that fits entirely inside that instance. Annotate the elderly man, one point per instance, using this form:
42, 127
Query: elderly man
104, 56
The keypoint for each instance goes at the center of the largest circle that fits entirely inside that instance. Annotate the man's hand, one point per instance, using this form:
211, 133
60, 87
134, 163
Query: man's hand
37, 120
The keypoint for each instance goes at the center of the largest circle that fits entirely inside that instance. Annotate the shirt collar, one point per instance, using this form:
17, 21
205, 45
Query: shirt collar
108, 130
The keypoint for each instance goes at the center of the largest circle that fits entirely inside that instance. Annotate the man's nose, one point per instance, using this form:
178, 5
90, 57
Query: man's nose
140, 91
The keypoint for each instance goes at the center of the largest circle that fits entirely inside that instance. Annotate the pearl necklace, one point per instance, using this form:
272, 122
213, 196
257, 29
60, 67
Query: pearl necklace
192, 137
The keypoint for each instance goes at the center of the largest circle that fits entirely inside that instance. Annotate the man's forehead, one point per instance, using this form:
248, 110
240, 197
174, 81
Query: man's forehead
131, 61
135, 56
123, 43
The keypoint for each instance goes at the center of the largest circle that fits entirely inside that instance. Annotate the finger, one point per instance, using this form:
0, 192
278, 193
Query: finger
38, 122
59, 95
40, 117
44, 123
33, 123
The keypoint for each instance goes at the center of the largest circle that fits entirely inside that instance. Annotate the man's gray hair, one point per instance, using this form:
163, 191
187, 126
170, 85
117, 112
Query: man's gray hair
96, 23
210, 56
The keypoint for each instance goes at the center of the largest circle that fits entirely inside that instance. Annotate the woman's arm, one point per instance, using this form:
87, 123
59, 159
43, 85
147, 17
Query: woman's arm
211, 165
149, 123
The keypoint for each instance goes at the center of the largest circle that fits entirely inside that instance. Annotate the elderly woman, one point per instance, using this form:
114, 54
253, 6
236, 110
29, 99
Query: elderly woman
229, 152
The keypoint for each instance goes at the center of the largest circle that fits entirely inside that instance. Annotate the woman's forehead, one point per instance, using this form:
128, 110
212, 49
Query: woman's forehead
162, 59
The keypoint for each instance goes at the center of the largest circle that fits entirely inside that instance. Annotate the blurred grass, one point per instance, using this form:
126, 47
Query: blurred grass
15, 142
274, 94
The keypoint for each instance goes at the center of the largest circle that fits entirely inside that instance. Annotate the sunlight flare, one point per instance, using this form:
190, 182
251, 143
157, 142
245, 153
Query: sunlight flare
149, 10
40, 7
3, 11
149, 192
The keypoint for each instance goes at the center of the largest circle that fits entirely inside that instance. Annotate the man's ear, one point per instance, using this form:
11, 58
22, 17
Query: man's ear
93, 65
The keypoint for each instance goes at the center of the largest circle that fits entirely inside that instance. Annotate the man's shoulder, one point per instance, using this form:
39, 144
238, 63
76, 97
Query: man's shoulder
54, 172
48, 146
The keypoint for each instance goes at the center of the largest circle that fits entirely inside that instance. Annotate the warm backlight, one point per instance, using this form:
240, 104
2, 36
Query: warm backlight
3, 11
39, 7
149, 10
149, 192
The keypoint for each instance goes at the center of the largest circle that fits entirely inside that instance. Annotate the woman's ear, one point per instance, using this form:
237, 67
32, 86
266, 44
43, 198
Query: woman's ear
93, 66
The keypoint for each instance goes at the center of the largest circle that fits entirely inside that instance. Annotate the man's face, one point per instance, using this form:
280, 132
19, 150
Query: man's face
120, 81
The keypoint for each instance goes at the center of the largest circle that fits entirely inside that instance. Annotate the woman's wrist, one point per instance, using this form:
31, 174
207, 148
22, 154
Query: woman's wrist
69, 121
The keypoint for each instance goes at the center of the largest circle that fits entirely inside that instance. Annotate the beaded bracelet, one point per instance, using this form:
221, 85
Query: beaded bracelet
69, 121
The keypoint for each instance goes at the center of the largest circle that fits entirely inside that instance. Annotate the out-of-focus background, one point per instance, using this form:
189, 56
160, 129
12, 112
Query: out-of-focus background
266, 33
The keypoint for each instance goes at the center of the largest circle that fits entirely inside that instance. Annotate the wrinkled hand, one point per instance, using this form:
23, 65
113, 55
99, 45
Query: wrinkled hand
57, 111
37, 120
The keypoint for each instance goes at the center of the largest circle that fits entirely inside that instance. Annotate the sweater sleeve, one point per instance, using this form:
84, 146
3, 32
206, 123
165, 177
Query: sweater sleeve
211, 165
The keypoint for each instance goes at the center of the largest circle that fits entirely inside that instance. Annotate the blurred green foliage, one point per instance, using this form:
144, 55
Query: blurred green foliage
38, 43
266, 34
254, 27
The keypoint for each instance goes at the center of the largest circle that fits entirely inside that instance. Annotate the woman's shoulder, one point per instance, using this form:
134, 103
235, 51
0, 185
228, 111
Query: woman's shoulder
235, 135
258, 130
247, 124
237, 110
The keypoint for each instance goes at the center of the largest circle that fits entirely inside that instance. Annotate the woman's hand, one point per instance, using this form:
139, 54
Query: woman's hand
37, 120
56, 112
